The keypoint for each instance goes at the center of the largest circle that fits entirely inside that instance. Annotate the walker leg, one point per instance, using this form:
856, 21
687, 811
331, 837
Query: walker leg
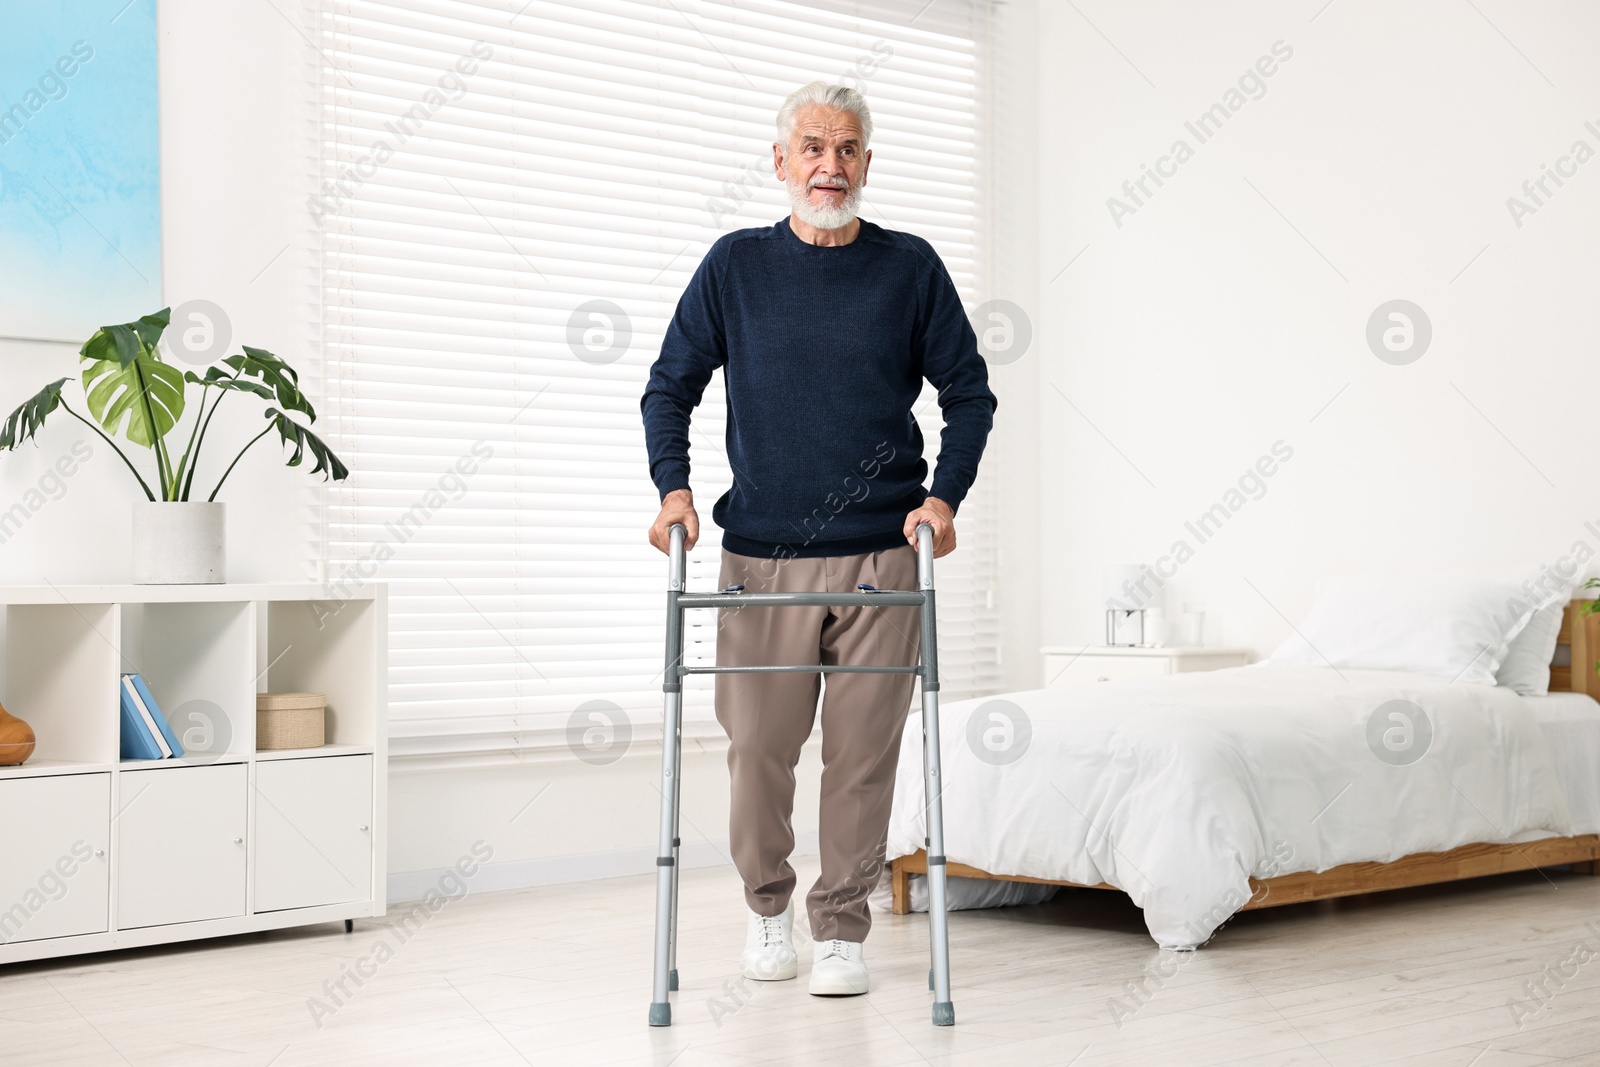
664, 977
666, 868
944, 1013
938, 928
677, 841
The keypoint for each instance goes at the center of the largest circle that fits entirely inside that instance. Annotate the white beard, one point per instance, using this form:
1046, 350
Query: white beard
823, 218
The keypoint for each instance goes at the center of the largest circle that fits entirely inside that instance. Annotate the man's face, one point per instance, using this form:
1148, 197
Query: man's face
824, 166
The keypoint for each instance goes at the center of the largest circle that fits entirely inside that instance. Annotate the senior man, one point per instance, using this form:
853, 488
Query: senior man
824, 326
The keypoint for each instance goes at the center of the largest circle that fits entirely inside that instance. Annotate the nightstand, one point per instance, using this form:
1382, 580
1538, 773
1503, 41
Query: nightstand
1104, 663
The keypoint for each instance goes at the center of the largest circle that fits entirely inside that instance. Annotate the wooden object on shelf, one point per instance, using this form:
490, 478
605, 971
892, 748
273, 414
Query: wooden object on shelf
16, 740
289, 720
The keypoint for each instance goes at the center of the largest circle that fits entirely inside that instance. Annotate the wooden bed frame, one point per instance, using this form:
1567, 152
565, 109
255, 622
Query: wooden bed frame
1580, 636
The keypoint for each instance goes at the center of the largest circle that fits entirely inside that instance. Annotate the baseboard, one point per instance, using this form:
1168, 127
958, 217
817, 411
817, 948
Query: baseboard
588, 867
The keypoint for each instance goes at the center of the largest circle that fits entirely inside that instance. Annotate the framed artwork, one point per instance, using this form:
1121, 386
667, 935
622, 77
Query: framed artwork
80, 190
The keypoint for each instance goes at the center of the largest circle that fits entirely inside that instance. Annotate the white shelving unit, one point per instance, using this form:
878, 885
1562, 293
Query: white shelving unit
101, 853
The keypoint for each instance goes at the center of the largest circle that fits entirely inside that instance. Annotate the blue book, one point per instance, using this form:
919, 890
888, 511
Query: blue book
156, 713
136, 740
145, 716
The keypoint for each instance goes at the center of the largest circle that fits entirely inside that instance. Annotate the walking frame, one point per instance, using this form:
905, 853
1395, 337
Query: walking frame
678, 601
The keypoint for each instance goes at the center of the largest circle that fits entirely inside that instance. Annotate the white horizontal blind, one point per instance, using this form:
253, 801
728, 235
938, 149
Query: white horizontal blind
512, 197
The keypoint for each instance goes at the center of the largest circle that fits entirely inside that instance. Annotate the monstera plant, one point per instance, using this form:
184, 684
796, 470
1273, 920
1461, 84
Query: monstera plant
131, 391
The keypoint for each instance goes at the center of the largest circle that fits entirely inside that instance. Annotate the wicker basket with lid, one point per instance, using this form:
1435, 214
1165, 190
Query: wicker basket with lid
289, 720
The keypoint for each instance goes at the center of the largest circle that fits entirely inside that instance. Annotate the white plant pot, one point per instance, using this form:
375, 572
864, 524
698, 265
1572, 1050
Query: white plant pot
179, 543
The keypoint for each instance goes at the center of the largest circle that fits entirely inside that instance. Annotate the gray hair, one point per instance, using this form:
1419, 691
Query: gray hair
841, 97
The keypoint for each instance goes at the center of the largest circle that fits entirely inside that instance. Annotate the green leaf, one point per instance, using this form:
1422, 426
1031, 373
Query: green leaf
275, 373
216, 377
305, 441
151, 327
145, 391
127, 342
24, 422
109, 344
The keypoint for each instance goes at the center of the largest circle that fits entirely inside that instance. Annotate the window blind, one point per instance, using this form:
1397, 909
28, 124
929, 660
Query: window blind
510, 197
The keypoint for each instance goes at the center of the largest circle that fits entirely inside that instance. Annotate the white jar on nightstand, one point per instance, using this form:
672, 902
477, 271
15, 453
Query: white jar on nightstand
1087, 664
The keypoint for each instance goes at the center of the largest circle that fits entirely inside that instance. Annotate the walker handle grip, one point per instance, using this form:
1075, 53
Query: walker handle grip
924, 555
676, 568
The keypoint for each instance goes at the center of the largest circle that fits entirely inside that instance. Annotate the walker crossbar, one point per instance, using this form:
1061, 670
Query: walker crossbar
886, 597
665, 974
802, 668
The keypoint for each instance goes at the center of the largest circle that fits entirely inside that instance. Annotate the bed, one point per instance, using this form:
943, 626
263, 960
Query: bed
1200, 795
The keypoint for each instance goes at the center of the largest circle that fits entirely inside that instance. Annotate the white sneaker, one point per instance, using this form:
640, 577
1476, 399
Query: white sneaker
838, 969
769, 954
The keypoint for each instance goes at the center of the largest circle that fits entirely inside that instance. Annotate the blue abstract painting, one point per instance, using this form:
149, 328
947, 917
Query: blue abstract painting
80, 191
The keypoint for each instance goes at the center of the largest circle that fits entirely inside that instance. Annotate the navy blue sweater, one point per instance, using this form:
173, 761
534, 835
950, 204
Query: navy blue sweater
823, 351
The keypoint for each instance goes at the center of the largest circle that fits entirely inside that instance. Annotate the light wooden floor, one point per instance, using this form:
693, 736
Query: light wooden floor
559, 975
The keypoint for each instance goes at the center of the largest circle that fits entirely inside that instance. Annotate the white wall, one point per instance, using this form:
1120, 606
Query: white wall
1014, 251
1229, 311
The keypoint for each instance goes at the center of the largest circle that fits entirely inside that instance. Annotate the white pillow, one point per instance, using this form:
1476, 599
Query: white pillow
1450, 624
1527, 664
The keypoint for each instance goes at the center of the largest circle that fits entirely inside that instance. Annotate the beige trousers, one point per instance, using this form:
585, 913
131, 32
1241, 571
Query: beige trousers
768, 717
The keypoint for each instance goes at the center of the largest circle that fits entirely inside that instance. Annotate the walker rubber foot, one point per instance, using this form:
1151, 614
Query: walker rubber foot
661, 1015
672, 980
944, 1013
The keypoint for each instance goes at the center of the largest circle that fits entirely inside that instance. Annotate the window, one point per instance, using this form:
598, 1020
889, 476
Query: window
510, 199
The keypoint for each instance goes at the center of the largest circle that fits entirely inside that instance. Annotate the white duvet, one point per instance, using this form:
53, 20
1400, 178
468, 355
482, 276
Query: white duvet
1178, 789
